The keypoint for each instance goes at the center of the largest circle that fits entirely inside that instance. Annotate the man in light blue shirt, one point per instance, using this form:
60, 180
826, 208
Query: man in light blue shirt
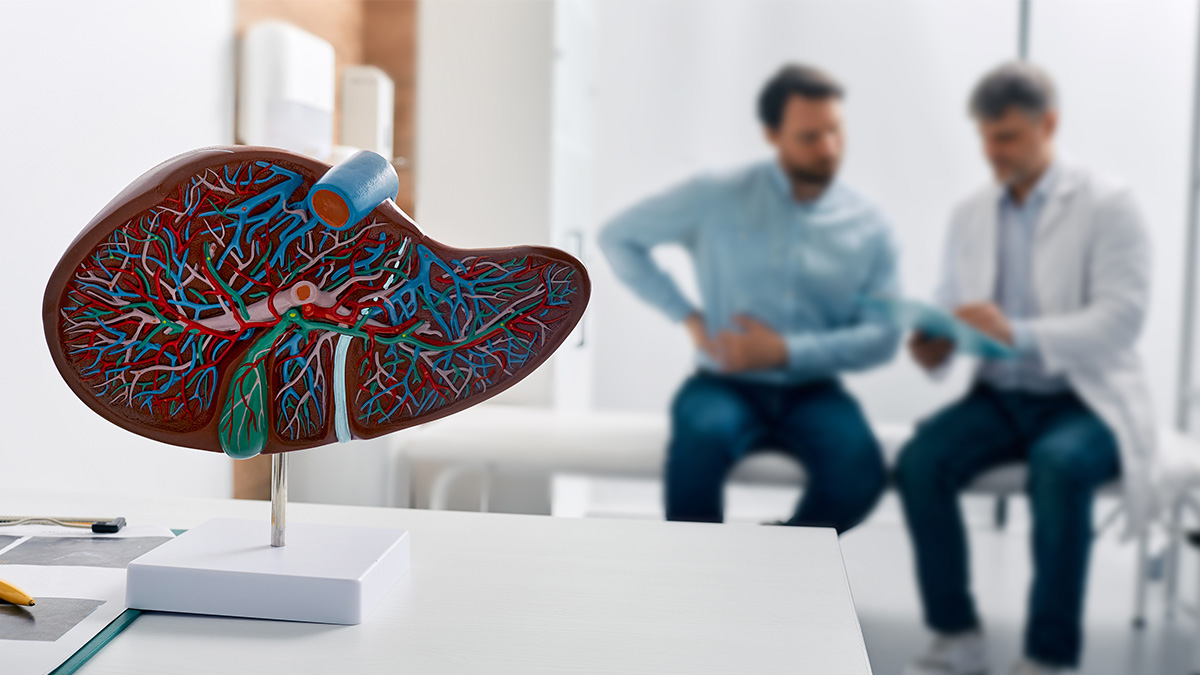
783, 253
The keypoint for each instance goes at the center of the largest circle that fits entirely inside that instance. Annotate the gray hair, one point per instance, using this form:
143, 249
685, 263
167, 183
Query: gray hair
1016, 84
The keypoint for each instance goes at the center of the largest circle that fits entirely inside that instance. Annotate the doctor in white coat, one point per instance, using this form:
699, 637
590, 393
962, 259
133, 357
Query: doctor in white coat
1054, 261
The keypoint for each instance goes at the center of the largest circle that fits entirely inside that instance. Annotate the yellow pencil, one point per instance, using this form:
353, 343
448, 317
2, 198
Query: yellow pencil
16, 596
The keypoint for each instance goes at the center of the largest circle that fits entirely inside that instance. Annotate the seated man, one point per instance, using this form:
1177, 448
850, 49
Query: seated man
783, 253
1054, 262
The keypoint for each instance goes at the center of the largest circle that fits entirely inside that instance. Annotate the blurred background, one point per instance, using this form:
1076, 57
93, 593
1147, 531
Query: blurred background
534, 121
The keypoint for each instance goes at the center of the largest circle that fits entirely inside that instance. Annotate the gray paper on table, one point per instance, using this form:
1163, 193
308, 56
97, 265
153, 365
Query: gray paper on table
81, 551
46, 621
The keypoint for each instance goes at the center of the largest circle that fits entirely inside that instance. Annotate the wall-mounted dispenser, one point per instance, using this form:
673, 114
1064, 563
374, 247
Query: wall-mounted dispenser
286, 90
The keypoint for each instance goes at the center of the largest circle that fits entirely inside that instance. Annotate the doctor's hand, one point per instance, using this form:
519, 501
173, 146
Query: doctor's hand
929, 352
987, 318
755, 347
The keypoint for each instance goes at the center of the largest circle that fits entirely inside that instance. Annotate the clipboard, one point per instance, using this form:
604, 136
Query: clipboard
938, 323
89, 567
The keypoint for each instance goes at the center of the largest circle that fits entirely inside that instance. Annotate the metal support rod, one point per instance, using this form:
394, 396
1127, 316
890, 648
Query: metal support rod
1024, 10
1171, 589
278, 497
1000, 515
485, 488
1143, 572
1184, 400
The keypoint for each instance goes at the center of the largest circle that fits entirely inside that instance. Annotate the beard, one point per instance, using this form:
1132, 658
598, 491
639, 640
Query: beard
819, 174
1007, 174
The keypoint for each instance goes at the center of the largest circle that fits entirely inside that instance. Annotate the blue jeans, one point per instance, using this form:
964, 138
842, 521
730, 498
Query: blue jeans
716, 421
1070, 453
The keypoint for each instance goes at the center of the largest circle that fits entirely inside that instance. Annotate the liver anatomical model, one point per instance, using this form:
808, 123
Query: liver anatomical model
252, 300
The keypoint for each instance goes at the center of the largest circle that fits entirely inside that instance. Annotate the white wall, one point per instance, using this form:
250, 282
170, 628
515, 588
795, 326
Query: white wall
1126, 71
95, 94
483, 121
677, 85
484, 133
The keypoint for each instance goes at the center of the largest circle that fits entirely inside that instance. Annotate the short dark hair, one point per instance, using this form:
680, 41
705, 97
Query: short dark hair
794, 79
1016, 84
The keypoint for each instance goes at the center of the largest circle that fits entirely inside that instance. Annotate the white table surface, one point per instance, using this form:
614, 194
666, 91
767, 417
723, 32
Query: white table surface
493, 593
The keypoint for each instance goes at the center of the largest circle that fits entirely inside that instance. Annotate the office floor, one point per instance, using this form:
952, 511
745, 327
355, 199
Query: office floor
879, 564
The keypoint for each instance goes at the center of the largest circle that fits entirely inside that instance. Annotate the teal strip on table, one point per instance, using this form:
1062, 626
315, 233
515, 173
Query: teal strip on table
102, 638
97, 643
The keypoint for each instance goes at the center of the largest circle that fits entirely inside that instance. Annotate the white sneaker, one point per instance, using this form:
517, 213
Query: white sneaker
1029, 667
960, 654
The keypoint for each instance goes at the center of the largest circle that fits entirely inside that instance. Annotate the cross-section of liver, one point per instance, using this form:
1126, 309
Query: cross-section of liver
207, 307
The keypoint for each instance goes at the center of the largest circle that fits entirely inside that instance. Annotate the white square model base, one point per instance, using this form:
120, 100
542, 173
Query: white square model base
325, 573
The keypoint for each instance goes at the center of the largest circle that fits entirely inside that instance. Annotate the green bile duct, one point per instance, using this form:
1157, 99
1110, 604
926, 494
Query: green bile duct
244, 424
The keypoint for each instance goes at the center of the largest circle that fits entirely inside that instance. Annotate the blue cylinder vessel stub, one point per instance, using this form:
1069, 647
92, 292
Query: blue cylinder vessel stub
352, 189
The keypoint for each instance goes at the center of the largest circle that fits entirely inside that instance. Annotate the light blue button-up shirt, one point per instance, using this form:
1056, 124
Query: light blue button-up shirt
799, 267
1016, 233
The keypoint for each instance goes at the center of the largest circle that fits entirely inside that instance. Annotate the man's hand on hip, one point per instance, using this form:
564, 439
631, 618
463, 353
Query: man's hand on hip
755, 347
987, 318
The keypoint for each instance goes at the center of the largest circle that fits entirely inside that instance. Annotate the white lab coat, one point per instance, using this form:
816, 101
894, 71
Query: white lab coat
1091, 278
